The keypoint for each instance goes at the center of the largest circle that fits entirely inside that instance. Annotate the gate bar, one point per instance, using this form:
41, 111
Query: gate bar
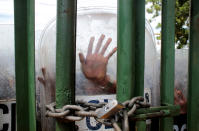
193, 90
139, 46
139, 8
140, 125
126, 49
24, 19
167, 60
65, 57
131, 50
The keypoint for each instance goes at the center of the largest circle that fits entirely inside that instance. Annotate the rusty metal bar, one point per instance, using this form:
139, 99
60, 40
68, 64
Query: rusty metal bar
65, 57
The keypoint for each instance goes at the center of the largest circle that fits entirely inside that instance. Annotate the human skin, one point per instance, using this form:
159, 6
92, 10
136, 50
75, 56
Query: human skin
94, 68
94, 65
180, 100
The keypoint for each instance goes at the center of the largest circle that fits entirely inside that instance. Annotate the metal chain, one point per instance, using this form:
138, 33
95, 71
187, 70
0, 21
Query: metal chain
82, 109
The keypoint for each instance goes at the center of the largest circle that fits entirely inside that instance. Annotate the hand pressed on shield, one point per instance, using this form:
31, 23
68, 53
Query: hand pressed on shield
180, 100
48, 82
94, 65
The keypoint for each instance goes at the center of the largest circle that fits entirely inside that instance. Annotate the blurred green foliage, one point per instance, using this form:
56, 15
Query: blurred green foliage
181, 19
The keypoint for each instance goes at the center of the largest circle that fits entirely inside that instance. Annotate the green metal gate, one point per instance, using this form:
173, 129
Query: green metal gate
131, 44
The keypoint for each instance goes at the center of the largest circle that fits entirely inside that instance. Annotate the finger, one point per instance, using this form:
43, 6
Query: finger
40, 79
43, 72
106, 46
99, 43
81, 58
112, 52
90, 46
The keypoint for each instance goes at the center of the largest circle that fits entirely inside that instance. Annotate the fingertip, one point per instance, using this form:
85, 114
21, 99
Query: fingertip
109, 39
92, 38
102, 36
81, 57
43, 70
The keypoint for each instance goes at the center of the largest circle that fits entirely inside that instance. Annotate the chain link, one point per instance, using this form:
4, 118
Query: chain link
82, 109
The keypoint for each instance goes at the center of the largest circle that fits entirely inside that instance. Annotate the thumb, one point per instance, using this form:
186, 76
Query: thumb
81, 58
40, 79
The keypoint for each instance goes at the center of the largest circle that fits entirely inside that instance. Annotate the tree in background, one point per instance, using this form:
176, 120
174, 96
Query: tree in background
181, 19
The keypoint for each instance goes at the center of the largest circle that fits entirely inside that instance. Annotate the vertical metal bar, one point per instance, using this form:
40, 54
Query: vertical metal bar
24, 19
65, 57
167, 59
139, 46
140, 125
126, 49
193, 97
139, 7
131, 48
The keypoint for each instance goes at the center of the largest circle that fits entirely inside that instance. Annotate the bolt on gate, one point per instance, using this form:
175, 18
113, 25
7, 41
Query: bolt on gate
131, 47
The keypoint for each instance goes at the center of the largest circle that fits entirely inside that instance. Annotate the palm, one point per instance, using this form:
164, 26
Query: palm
94, 65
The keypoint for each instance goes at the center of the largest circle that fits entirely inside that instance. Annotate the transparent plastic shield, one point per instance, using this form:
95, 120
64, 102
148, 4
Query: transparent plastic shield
181, 70
7, 67
94, 22
151, 74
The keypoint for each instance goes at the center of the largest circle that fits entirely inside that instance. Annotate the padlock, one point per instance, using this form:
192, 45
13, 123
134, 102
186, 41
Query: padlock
110, 109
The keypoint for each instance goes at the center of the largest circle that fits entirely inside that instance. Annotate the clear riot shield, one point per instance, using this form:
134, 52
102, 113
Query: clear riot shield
7, 58
181, 83
181, 70
7, 67
94, 21
90, 22
7, 75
